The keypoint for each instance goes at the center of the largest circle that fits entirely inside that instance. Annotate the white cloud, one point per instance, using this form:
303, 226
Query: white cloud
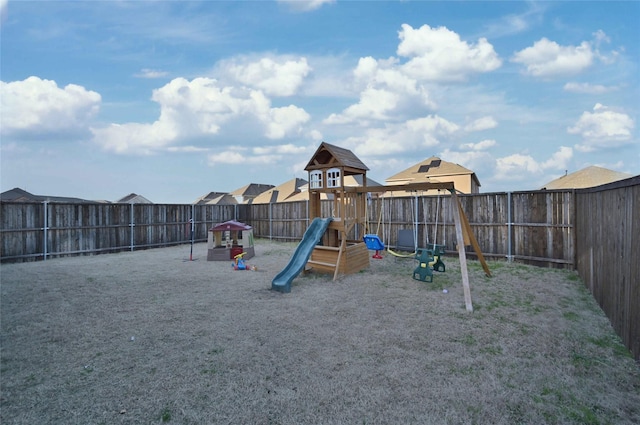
601, 37
515, 166
3, 10
200, 106
151, 73
480, 146
286, 120
587, 88
602, 128
239, 155
387, 93
515, 24
315, 135
547, 58
434, 125
398, 138
392, 92
559, 159
36, 106
279, 76
381, 142
287, 149
306, 5
374, 104
475, 160
198, 109
438, 54
186, 149
382, 73
480, 124
520, 167
134, 137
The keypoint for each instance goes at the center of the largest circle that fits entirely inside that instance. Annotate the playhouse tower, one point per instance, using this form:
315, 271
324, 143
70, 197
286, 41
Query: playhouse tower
342, 250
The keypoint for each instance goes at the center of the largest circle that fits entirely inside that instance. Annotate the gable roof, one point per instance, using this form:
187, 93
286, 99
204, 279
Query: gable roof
328, 156
133, 198
20, 195
251, 190
213, 198
230, 225
587, 177
431, 169
280, 193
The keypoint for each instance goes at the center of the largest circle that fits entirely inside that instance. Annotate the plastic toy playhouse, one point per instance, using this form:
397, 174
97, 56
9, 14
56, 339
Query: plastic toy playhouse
226, 240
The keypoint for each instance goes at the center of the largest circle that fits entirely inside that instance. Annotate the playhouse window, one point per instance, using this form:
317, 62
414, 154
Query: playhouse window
315, 178
333, 177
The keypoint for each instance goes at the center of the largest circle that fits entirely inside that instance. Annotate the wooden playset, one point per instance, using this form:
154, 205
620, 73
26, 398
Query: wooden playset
342, 248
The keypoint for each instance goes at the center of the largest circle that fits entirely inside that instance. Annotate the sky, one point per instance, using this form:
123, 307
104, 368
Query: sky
172, 100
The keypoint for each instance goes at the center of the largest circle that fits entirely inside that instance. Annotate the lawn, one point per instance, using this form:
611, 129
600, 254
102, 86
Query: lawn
147, 337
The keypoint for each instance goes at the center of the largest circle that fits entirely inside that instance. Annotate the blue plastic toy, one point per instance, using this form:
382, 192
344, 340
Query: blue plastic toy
373, 242
239, 263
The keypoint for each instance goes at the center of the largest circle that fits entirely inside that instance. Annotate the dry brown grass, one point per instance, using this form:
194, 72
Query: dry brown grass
146, 337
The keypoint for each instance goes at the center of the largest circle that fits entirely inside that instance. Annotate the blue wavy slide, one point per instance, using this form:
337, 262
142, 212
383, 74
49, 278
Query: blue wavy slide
282, 281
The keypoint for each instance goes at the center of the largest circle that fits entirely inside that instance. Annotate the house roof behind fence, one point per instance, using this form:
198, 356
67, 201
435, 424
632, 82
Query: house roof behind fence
251, 190
280, 193
216, 198
134, 198
20, 195
431, 169
587, 177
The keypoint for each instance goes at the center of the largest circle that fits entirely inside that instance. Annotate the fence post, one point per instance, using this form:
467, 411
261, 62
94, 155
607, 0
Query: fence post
45, 230
416, 223
509, 224
270, 220
131, 226
193, 222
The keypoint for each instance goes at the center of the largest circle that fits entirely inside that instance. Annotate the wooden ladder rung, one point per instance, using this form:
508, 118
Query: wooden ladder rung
320, 263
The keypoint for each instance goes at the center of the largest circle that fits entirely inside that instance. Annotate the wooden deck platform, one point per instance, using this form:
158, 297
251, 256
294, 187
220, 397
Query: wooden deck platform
354, 259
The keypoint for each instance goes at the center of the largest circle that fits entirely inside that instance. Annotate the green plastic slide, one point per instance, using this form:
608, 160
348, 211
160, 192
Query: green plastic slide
282, 281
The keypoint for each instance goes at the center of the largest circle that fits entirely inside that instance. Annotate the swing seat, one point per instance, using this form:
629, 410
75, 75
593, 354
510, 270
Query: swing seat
423, 271
374, 243
438, 252
406, 242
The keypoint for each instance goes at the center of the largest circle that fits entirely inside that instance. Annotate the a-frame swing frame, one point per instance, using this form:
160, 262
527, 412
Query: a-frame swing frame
464, 235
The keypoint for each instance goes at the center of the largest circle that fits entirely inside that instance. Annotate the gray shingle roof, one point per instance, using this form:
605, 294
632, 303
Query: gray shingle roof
328, 155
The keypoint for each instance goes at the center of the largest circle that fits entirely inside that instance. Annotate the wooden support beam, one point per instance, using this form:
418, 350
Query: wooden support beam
462, 253
343, 247
473, 240
402, 187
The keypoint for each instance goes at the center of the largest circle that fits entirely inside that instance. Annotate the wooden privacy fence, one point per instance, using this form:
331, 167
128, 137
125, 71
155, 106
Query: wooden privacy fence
608, 253
42, 230
595, 231
532, 227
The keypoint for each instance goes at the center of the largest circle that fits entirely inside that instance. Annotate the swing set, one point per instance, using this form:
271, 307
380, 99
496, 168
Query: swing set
464, 237
373, 241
